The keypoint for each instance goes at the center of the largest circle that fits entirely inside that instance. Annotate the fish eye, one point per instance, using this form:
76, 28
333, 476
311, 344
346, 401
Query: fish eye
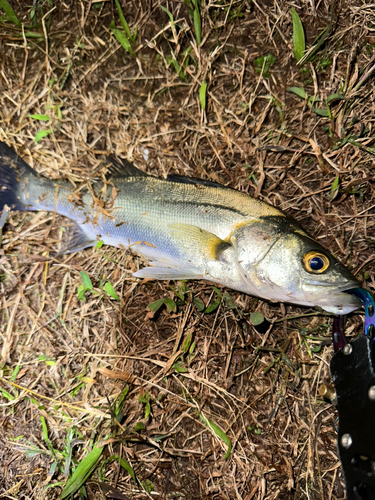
315, 262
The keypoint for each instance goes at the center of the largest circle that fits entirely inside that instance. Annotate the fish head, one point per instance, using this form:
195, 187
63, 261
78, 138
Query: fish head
278, 261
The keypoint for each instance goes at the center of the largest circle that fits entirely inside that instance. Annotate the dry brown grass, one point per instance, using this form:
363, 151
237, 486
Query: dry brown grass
261, 390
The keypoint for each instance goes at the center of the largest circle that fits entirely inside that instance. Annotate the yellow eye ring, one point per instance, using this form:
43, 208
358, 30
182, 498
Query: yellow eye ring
315, 262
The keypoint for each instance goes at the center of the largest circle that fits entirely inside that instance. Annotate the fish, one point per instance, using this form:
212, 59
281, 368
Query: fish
186, 228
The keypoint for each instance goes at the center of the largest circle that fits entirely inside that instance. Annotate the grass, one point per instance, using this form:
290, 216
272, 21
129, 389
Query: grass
126, 37
137, 389
298, 36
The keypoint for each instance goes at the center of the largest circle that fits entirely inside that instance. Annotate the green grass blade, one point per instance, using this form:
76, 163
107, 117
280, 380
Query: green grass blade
45, 434
164, 9
15, 373
121, 399
9, 12
298, 36
125, 465
6, 394
197, 25
202, 94
30, 34
122, 39
41, 118
219, 433
123, 21
335, 187
84, 469
186, 343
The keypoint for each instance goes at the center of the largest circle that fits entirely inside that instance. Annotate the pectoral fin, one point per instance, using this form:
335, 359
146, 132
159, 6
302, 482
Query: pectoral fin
195, 240
194, 244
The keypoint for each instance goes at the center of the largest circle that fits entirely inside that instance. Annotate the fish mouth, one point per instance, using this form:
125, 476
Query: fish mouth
333, 298
328, 285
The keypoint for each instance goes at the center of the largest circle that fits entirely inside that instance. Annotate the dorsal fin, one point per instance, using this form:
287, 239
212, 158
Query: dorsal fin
120, 167
188, 180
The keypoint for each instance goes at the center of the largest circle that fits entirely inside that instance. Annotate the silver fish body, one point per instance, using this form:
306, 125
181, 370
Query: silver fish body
188, 229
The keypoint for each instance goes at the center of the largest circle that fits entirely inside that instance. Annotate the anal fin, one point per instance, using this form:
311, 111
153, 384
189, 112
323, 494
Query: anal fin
167, 273
75, 239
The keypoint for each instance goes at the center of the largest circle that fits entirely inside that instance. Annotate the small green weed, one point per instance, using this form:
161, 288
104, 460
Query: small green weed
148, 486
263, 64
200, 305
335, 188
170, 303
10, 15
188, 348
62, 460
256, 429
319, 40
54, 119
256, 318
300, 92
82, 472
120, 402
179, 59
323, 64
145, 398
47, 360
202, 94
219, 433
181, 293
88, 287
7, 395
194, 11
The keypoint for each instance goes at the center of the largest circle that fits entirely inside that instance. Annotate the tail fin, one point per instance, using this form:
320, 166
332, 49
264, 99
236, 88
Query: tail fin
12, 169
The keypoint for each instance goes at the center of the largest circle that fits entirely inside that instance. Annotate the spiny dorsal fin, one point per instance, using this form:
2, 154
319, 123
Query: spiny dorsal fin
188, 180
120, 167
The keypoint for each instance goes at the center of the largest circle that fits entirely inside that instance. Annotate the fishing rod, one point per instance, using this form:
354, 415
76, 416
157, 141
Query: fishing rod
353, 373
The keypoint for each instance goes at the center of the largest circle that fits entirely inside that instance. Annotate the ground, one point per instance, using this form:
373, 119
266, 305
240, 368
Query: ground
191, 401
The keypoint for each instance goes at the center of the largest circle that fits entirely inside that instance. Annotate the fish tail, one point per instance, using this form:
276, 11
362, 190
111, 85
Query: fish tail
14, 173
